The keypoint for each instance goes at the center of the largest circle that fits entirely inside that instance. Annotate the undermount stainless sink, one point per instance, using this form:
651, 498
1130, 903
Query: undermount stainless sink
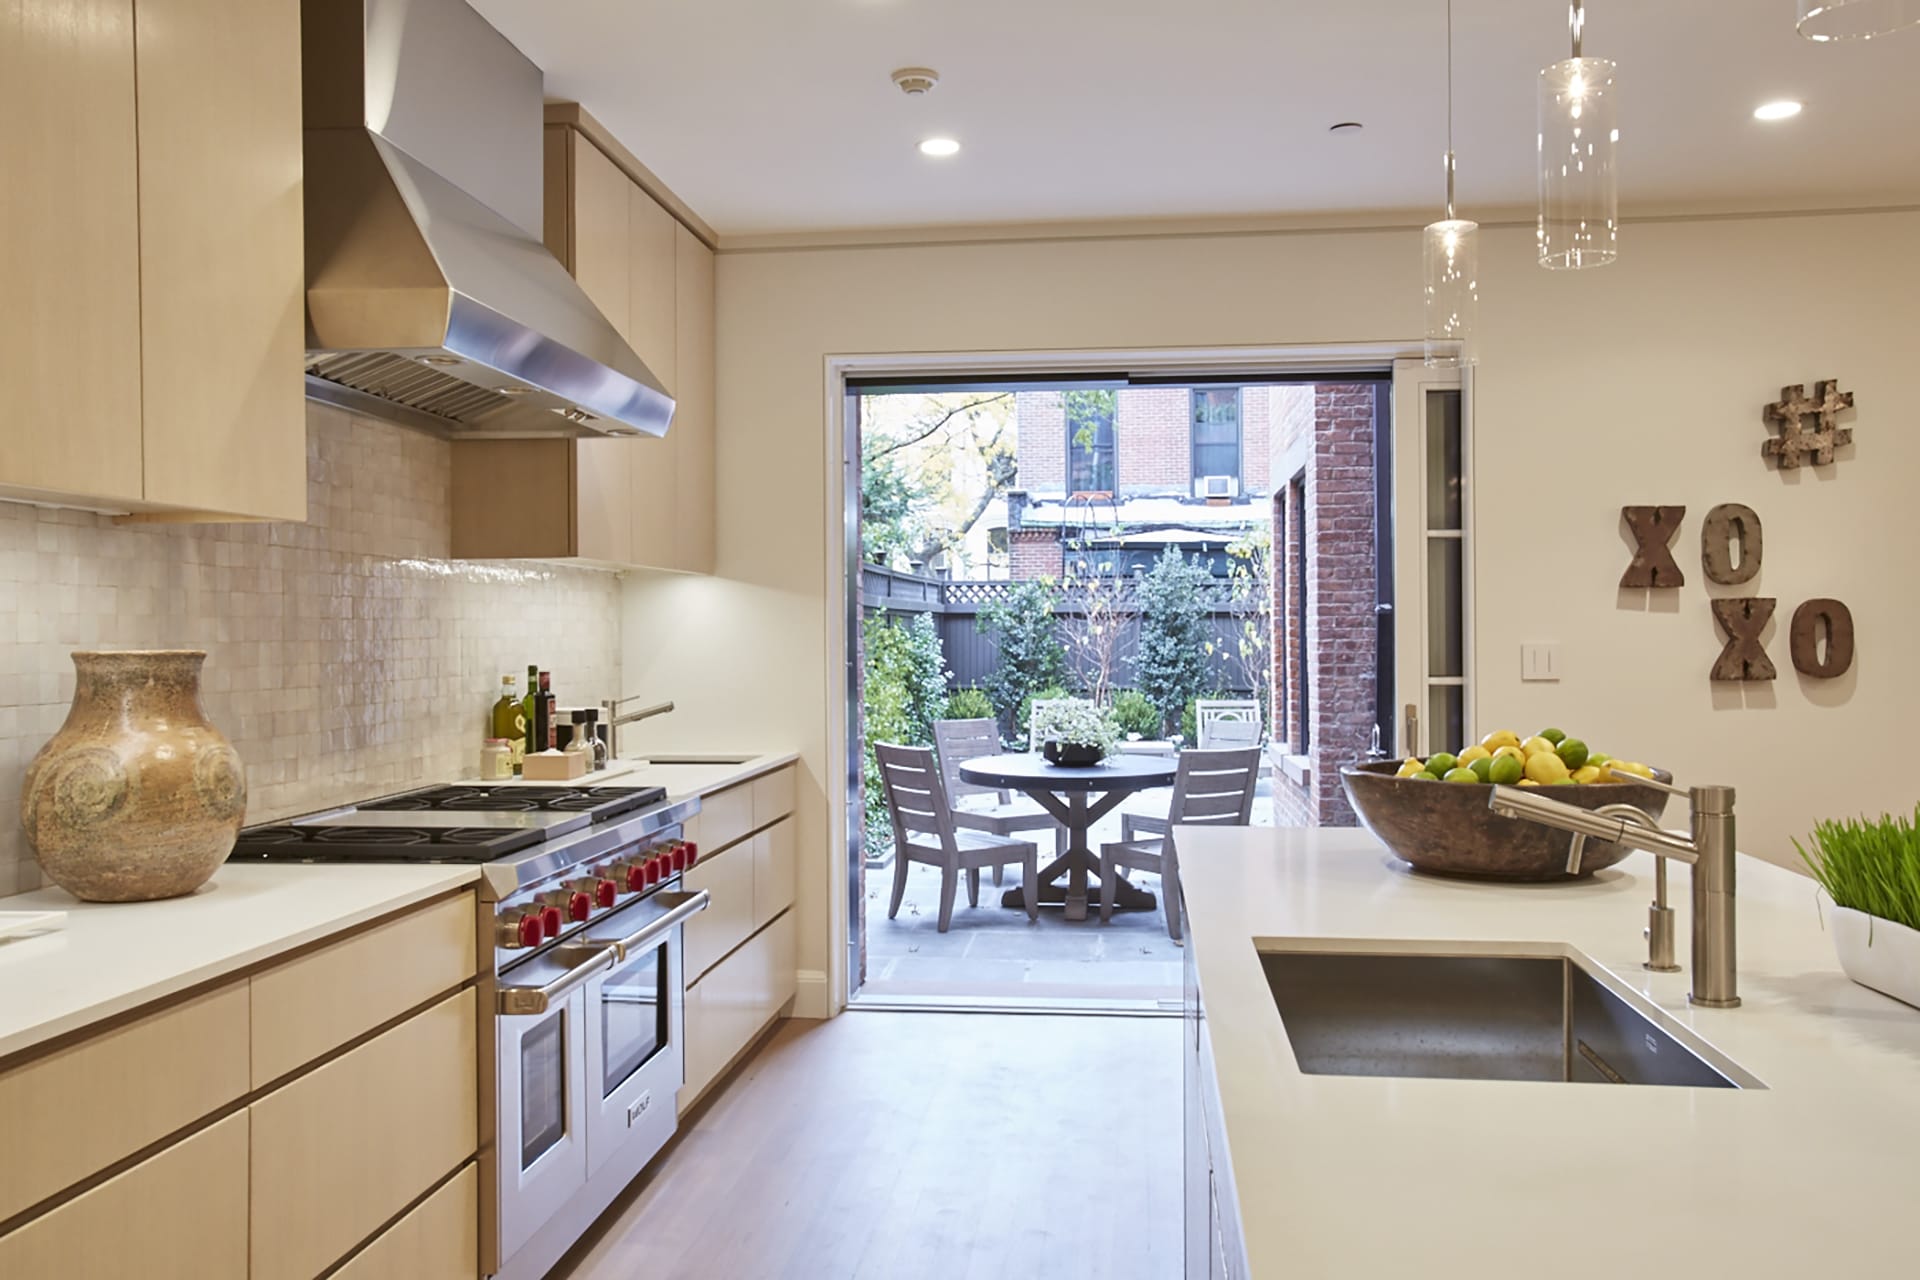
1478, 1018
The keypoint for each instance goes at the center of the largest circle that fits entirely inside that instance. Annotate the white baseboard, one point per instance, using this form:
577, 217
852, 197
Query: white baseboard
813, 997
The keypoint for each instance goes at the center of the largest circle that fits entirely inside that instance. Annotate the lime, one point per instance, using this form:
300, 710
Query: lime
1461, 775
1439, 762
1573, 752
1504, 771
1552, 735
1426, 776
1599, 759
1482, 767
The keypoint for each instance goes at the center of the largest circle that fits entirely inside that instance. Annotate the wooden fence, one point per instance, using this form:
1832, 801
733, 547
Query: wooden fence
972, 653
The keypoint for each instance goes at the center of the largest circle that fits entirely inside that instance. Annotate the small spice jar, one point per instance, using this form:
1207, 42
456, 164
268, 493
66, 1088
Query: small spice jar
496, 760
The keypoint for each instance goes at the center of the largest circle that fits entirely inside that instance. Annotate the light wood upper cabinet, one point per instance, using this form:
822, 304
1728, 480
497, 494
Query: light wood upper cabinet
69, 251
150, 255
222, 268
635, 502
693, 414
651, 283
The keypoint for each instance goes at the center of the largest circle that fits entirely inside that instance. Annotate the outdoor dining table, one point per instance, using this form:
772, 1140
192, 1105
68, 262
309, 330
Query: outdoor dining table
1076, 797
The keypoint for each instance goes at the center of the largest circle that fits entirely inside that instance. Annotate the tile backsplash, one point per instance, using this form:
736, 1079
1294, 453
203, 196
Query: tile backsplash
346, 657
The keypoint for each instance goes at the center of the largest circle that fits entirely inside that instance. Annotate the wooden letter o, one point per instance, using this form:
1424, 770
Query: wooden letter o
1716, 544
1805, 639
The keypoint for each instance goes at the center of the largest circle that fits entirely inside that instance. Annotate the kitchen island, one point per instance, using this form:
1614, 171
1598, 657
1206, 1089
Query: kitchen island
1290, 1173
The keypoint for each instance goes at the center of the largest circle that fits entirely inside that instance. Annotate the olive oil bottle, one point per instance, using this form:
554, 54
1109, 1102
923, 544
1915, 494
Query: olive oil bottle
509, 721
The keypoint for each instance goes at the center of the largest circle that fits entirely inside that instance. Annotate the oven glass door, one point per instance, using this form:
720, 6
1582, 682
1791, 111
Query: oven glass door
634, 1017
542, 1116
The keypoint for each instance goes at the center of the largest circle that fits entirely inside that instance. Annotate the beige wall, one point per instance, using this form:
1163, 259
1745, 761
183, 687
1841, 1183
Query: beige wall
346, 657
1640, 383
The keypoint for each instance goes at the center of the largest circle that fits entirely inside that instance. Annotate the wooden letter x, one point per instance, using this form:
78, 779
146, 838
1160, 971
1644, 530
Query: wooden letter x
1743, 619
1653, 528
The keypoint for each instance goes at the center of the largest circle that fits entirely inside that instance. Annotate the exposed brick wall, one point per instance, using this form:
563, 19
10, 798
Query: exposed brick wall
1155, 440
1341, 628
1328, 509
1040, 421
1256, 404
1034, 553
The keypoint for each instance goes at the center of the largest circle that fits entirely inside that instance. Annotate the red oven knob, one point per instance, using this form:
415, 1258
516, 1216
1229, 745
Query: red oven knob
605, 892
579, 907
550, 921
693, 853
532, 931
656, 871
636, 877
678, 856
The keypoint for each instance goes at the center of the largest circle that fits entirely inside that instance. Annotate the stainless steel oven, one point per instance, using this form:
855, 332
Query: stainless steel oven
590, 1058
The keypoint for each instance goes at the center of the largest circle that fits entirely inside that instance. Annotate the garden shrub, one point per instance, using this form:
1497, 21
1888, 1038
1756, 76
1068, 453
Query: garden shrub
1171, 663
1031, 655
1134, 712
969, 704
906, 691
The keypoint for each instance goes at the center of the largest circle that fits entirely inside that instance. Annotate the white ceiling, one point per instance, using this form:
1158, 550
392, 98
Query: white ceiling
778, 115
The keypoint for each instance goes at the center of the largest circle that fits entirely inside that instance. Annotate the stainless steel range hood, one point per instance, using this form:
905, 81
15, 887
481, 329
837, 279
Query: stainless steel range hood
431, 299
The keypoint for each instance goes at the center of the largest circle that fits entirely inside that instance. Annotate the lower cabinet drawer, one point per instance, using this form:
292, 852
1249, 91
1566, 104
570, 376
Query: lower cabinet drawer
730, 1005
181, 1215
773, 871
438, 1240
344, 1148
728, 919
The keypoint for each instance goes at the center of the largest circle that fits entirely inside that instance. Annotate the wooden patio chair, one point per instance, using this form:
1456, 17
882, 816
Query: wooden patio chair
1000, 814
923, 831
1227, 722
1211, 788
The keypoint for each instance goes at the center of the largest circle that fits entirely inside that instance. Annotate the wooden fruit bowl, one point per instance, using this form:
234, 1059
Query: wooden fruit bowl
1447, 827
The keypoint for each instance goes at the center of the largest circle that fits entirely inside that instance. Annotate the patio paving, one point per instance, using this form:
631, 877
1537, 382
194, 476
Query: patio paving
991, 954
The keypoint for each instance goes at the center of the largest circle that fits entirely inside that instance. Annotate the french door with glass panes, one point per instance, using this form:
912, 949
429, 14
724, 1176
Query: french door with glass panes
1433, 557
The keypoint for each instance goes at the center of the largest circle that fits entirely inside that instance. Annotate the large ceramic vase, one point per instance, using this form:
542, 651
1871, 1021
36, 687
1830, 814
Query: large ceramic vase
138, 796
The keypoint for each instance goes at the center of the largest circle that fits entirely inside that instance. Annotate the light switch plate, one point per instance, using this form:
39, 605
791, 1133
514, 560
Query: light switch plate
1539, 662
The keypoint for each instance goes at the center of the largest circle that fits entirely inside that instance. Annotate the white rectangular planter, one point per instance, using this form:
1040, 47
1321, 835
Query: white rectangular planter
1878, 953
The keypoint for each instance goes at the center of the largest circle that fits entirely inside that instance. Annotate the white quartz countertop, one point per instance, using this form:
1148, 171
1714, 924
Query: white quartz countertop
1349, 1176
696, 775
112, 957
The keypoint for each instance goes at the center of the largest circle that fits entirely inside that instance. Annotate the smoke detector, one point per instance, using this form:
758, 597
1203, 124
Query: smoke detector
914, 81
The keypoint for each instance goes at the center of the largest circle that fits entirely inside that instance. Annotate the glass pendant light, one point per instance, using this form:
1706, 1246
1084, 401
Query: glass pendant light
1825, 20
1450, 256
1579, 136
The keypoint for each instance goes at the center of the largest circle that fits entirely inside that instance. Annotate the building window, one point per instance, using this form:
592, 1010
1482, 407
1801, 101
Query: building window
1091, 440
1216, 432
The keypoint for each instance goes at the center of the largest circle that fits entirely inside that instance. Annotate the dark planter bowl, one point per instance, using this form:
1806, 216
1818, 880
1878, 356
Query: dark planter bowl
1447, 827
1072, 755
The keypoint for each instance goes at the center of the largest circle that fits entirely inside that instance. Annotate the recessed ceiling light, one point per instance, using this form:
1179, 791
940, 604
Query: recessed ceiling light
939, 147
1346, 126
1785, 109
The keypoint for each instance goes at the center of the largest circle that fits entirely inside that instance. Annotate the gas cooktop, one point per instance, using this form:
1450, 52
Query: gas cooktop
444, 824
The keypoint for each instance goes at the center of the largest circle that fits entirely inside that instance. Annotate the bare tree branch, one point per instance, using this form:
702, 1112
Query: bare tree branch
894, 446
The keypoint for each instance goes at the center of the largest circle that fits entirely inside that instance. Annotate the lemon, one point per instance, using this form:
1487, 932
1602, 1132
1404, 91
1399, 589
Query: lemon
1505, 770
1474, 753
1535, 745
1572, 752
1553, 735
1545, 767
1500, 738
1561, 782
1635, 768
1440, 762
1510, 752
1461, 775
1528, 782
1409, 768
1482, 768
1586, 775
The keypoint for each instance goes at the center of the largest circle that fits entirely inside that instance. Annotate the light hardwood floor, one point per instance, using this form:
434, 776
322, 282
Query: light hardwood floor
920, 1146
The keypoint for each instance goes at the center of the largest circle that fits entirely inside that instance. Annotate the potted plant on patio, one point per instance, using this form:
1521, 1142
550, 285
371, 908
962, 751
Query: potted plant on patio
1074, 733
1871, 870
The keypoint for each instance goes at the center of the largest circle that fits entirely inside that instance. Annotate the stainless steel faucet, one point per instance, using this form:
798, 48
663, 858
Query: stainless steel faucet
1709, 851
1659, 932
615, 719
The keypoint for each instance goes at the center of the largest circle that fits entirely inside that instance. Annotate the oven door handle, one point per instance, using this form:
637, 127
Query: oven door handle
524, 1000
680, 908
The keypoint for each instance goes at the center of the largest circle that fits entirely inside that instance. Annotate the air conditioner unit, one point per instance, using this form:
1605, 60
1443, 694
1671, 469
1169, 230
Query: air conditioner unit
1216, 487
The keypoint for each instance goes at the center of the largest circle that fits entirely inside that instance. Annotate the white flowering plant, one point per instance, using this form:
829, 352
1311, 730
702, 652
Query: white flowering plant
1076, 722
